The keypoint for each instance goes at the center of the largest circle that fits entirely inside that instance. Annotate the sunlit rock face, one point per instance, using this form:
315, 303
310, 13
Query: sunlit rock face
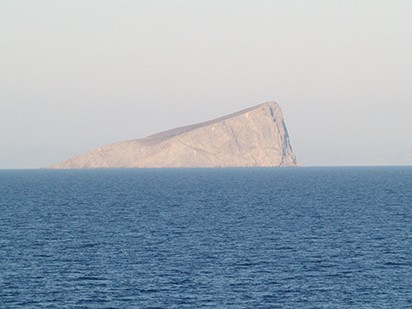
252, 137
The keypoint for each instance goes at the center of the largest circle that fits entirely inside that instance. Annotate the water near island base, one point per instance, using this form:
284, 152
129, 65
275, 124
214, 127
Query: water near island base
217, 238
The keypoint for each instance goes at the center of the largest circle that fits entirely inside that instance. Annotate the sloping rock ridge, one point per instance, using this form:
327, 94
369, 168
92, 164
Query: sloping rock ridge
256, 136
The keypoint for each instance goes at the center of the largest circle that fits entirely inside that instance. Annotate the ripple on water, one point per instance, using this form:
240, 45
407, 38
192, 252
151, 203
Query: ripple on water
225, 238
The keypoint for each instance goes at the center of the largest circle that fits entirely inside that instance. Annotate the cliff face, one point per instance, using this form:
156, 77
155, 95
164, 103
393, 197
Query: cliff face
253, 137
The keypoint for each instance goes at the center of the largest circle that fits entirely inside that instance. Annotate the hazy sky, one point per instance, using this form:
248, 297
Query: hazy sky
75, 75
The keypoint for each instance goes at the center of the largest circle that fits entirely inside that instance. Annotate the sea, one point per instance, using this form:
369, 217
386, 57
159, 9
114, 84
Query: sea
325, 237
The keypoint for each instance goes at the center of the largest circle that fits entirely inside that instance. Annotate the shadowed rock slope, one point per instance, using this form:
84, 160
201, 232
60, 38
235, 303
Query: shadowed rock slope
256, 136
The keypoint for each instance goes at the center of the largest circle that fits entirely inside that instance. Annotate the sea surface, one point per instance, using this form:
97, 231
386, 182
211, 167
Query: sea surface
206, 238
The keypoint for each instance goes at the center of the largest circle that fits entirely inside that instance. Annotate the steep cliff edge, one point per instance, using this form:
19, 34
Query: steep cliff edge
256, 136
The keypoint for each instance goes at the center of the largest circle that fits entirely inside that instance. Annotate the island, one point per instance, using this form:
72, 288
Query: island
254, 137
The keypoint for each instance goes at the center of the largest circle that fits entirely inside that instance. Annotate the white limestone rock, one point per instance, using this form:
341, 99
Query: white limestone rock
252, 137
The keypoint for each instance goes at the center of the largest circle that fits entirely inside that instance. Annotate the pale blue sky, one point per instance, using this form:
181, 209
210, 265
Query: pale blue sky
75, 75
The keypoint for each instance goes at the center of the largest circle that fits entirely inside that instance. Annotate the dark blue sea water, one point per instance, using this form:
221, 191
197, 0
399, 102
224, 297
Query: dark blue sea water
218, 238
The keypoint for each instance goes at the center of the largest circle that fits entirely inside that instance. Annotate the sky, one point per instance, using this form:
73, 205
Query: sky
76, 75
